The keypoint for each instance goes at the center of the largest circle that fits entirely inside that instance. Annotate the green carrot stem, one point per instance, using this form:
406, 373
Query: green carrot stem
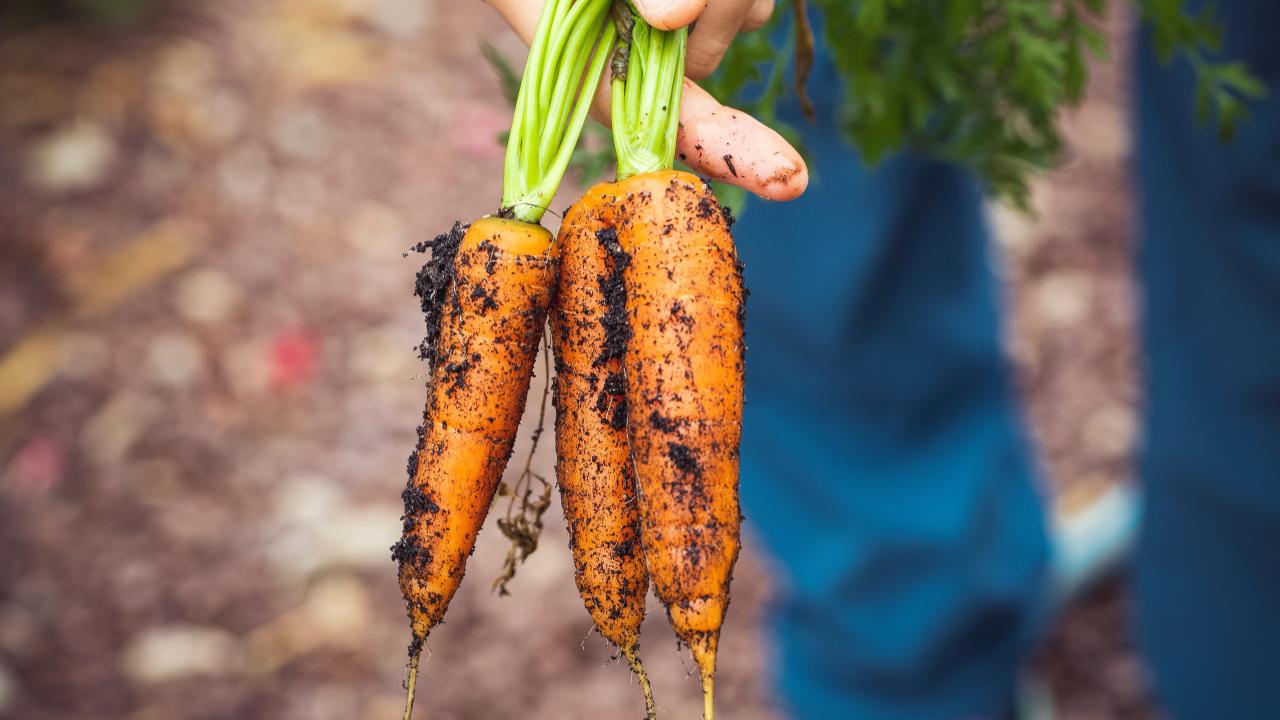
646, 98
577, 55
566, 59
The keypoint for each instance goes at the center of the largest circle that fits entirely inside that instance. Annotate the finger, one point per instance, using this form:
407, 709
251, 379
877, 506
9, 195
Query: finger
710, 38
733, 147
670, 14
602, 104
522, 17
758, 15
662, 14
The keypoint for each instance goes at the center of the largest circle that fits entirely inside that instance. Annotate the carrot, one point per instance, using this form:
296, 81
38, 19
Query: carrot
493, 300
593, 464
684, 368
486, 293
684, 357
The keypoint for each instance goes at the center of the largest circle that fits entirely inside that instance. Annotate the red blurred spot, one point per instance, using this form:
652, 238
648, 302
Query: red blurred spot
36, 467
294, 356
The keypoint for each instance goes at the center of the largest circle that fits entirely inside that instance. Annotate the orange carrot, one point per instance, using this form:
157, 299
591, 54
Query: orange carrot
684, 357
681, 338
684, 369
593, 464
487, 294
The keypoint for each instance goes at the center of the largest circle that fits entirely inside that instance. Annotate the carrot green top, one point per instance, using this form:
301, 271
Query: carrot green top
648, 78
567, 57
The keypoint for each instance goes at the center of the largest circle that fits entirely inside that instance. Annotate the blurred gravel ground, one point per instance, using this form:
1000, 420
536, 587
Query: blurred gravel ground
208, 387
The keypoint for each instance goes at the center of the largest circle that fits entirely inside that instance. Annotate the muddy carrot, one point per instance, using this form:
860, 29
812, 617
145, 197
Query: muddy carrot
593, 462
489, 289
486, 292
684, 358
684, 369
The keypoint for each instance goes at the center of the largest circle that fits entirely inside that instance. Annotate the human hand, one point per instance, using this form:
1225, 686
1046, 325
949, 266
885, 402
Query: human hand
718, 141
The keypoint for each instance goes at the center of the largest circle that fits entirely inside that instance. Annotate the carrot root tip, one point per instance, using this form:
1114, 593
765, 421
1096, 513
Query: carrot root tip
708, 697
650, 707
411, 685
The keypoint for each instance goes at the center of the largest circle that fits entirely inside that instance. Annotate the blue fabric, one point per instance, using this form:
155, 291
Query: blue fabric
1209, 557
883, 464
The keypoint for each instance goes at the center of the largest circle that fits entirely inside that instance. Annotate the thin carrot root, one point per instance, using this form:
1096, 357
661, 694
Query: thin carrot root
708, 697
529, 499
412, 685
637, 667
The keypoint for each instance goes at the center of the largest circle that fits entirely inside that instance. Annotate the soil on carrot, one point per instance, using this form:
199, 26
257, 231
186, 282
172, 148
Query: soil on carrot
686, 461
664, 424
617, 327
434, 281
432, 285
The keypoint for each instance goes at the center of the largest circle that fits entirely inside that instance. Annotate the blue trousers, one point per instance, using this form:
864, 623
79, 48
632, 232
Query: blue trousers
884, 461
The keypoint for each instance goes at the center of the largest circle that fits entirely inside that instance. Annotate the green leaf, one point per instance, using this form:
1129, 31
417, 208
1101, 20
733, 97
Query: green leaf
871, 15
979, 82
1236, 75
1096, 42
507, 75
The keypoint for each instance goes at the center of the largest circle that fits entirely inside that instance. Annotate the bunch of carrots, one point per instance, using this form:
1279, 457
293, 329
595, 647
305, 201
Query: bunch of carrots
644, 295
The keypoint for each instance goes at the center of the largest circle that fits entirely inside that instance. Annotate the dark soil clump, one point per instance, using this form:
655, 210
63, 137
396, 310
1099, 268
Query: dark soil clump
727, 212
434, 282
706, 210
663, 424
617, 329
684, 459
488, 303
615, 384
619, 419
408, 550
417, 503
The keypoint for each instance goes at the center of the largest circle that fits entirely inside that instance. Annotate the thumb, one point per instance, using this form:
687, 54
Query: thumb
670, 14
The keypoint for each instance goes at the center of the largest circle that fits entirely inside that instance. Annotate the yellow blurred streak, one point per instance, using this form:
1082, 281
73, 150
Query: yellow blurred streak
95, 291
28, 367
279, 641
165, 247
319, 43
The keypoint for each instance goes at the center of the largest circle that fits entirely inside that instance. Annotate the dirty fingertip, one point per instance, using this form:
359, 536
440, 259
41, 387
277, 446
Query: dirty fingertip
732, 147
670, 14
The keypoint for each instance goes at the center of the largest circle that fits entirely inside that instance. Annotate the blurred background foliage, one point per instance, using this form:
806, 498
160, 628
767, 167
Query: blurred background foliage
980, 83
103, 13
